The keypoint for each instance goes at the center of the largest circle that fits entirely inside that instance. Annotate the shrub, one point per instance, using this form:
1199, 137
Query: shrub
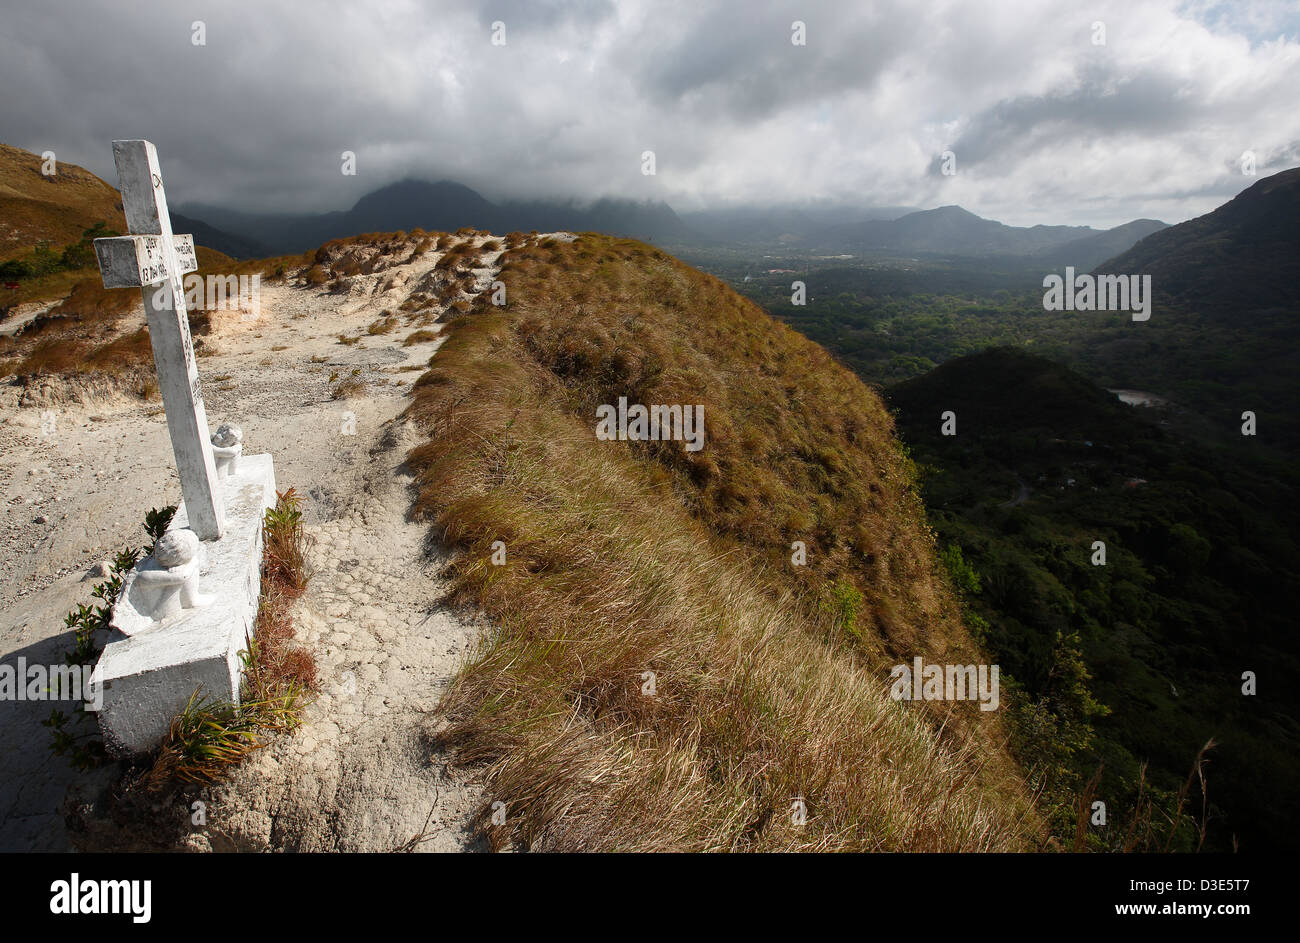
15, 270
962, 574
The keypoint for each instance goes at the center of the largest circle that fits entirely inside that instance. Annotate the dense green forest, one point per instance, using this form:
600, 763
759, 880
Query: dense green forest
891, 323
1198, 582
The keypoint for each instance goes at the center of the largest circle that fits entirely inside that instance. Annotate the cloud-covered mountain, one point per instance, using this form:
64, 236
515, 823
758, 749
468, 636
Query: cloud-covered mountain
448, 206
734, 110
444, 206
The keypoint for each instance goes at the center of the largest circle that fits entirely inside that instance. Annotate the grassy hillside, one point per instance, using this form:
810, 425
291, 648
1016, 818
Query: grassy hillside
621, 558
56, 208
48, 225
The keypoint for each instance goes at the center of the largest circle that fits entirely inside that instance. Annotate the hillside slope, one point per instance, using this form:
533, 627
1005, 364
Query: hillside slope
1089, 251
1242, 256
1224, 334
56, 208
770, 679
48, 225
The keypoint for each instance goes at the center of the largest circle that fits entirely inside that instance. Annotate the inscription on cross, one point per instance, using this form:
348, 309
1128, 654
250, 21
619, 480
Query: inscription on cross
154, 259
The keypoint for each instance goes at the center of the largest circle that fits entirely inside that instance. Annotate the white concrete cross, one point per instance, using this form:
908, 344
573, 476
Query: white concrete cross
154, 259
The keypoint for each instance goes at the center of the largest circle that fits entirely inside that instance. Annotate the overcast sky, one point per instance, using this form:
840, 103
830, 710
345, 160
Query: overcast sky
1046, 125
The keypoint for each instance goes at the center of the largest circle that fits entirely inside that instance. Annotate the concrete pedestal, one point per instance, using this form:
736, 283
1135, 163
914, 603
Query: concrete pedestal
148, 671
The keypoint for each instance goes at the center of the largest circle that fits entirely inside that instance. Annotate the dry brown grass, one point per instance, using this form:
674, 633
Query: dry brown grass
281, 664
383, 324
56, 208
425, 244
348, 388
96, 335
208, 738
420, 337
626, 558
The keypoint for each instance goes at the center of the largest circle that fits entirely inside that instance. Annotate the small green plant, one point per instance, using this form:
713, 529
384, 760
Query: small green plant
843, 603
156, 523
284, 541
210, 736
207, 737
963, 575
74, 735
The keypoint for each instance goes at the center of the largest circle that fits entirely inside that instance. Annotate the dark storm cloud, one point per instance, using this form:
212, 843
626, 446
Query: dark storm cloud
744, 65
1046, 126
542, 15
1105, 104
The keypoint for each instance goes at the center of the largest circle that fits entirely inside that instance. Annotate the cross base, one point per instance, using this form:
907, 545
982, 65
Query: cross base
146, 675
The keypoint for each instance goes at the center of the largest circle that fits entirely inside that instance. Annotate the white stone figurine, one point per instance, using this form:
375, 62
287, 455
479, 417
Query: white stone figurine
227, 443
168, 581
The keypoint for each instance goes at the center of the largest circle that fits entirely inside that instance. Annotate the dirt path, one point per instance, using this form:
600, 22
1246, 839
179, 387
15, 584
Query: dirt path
76, 480
1019, 498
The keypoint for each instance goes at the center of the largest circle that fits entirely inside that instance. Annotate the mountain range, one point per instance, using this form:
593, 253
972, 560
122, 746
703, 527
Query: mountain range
444, 206
449, 206
781, 225
951, 230
61, 206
